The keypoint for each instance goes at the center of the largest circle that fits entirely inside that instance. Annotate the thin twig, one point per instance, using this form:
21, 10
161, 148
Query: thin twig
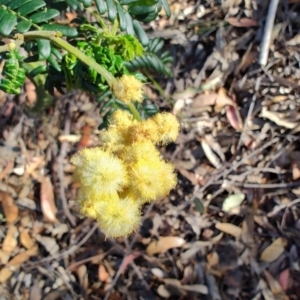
279, 185
250, 111
266, 40
60, 169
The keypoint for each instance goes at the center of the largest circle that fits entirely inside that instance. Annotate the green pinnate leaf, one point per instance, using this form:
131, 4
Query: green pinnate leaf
44, 16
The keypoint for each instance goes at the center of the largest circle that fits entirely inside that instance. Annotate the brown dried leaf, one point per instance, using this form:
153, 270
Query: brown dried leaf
163, 292
4, 257
242, 22
26, 239
196, 288
127, 260
213, 259
102, 273
49, 243
11, 210
229, 229
277, 119
274, 250
47, 200
219, 100
267, 294
35, 291
10, 242
210, 154
15, 262
164, 244
274, 285
33, 164
22, 257
285, 279
5, 274
83, 276
294, 41
234, 117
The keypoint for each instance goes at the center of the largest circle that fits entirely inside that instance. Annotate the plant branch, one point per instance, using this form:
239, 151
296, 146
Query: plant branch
134, 112
58, 41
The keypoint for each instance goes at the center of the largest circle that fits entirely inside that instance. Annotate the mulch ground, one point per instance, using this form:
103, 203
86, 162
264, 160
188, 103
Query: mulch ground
230, 230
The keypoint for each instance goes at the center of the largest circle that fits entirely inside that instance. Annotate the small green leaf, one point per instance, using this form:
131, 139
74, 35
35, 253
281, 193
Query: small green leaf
87, 3
4, 2
54, 63
44, 47
101, 6
166, 8
13, 5
37, 71
103, 96
56, 53
199, 205
141, 9
8, 23
44, 16
128, 2
232, 201
107, 104
23, 26
140, 32
65, 30
122, 17
30, 7
146, 18
112, 10
129, 25
3, 12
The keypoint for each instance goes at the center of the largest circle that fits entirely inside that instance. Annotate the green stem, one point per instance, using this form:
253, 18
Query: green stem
134, 112
54, 38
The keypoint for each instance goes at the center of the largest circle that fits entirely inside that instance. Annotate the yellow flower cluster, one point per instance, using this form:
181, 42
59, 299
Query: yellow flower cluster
126, 171
128, 89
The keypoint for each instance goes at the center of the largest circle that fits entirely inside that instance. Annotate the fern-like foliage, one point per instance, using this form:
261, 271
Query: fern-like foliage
113, 38
152, 59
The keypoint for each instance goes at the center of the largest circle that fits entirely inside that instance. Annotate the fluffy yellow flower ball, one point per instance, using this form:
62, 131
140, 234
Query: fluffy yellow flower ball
119, 218
150, 176
99, 170
129, 89
167, 126
89, 200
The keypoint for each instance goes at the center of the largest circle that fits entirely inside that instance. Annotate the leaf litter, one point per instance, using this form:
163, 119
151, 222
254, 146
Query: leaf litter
229, 230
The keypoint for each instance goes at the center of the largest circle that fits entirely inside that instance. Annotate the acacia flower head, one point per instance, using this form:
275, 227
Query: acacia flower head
99, 170
167, 126
89, 200
126, 171
119, 218
128, 89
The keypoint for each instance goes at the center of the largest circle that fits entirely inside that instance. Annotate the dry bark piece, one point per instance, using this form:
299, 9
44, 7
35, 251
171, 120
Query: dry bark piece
10, 242
11, 210
274, 250
164, 244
